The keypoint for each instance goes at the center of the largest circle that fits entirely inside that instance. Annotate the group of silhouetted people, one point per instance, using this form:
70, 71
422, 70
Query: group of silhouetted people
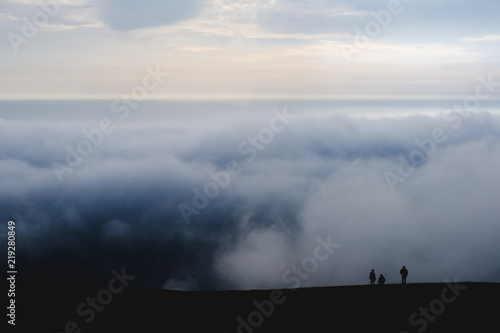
381, 278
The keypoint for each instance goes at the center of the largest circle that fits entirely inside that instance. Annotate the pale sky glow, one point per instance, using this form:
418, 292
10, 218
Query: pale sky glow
247, 49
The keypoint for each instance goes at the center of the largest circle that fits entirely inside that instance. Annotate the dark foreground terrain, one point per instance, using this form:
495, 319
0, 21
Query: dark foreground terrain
439, 307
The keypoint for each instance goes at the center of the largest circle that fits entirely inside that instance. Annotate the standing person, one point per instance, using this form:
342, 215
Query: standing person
404, 274
373, 277
381, 280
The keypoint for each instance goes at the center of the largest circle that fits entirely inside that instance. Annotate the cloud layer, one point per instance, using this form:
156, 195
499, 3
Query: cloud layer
322, 176
136, 14
92, 49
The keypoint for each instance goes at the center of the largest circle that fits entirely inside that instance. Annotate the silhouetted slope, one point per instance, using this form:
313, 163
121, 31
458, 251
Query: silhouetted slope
464, 307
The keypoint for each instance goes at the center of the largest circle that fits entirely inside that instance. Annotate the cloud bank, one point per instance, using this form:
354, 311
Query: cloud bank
322, 176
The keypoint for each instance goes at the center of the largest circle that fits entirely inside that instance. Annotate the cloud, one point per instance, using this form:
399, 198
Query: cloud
418, 21
485, 38
137, 14
50, 15
322, 175
257, 259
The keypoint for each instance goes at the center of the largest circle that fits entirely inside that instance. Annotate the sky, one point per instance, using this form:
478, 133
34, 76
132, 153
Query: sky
251, 144
220, 49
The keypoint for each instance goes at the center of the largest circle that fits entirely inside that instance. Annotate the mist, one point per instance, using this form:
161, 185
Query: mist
253, 196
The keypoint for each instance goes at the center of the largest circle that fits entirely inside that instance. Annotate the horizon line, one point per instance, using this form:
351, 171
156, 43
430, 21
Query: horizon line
352, 97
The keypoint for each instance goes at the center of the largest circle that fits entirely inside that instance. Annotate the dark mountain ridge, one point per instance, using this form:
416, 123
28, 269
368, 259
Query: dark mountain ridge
433, 307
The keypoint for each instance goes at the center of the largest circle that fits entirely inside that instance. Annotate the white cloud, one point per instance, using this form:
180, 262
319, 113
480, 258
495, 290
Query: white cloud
322, 175
485, 38
257, 261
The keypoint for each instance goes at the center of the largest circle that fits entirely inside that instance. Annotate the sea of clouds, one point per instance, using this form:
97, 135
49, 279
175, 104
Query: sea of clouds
253, 197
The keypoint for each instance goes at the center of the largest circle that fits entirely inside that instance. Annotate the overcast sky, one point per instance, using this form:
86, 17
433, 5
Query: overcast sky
250, 49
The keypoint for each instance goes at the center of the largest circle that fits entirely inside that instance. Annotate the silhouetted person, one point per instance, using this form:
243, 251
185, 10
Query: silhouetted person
373, 277
404, 274
381, 280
